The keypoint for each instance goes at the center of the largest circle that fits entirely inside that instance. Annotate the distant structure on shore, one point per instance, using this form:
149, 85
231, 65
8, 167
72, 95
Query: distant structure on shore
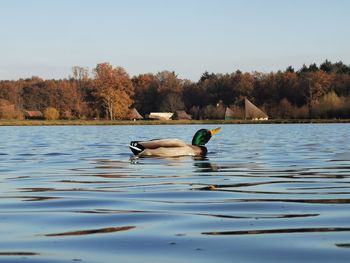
252, 112
177, 115
230, 115
33, 114
160, 115
135, 115
181, 115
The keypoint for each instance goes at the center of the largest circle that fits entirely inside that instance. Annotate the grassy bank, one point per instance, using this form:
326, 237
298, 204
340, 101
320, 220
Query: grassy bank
157, 122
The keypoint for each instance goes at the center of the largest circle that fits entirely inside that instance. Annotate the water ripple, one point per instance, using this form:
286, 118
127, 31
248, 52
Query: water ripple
92, 231
278, 231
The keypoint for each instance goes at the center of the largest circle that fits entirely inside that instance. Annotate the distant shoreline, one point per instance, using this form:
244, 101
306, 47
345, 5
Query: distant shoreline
160, 122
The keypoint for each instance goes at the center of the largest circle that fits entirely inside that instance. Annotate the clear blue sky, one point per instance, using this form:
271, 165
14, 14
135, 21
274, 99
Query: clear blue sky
47, 37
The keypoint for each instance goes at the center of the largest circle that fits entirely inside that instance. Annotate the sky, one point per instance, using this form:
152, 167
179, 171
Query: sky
46, 38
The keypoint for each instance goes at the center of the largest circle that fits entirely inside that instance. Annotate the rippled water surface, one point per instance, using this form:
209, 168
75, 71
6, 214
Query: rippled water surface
265, 193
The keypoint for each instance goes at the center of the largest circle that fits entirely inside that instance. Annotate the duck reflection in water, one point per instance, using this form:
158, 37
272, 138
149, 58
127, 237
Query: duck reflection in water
204, 165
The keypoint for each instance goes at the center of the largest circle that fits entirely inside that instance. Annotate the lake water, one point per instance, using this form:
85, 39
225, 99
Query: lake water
265, 193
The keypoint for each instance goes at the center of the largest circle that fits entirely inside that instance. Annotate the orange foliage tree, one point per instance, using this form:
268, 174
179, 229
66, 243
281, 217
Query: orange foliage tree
114, 88
51, 113
315, 84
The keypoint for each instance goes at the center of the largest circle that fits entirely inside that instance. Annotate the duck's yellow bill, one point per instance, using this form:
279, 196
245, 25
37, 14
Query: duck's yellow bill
215, 131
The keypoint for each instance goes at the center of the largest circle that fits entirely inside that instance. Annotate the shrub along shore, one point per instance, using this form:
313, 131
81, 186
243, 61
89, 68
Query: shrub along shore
160, 122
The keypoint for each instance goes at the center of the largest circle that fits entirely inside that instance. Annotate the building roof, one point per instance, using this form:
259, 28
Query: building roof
229, 115
160, 115
182, 115
135, 115
33, 114
253, 112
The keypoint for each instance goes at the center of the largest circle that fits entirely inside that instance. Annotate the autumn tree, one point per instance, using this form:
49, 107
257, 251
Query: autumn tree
146, 96
315, 85
114, 88
285, 109
51, 113
68, 99
195, 95
243, 85
9, 111
262, 89
225, 88
329, 106
217, 87
80, 74
168, 81
288, 88
38, 94
169, 91
11, 91
341, 84
81, 79
171, 102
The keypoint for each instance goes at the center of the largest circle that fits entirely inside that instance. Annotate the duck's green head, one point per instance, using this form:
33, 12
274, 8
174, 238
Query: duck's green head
202, 136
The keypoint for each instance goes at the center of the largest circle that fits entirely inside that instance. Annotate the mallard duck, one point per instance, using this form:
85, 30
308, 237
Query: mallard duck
173, 147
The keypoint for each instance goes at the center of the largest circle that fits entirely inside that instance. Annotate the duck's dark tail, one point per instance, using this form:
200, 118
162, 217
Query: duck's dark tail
135, 147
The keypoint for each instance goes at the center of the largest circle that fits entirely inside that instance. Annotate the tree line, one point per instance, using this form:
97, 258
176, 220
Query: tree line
109, 92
